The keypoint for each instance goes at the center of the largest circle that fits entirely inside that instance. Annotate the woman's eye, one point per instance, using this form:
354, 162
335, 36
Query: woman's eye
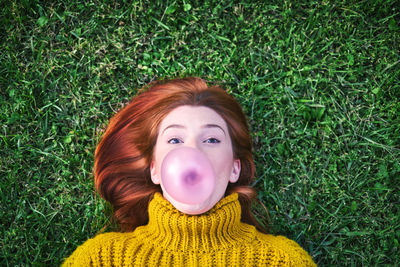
212, 141
174, 141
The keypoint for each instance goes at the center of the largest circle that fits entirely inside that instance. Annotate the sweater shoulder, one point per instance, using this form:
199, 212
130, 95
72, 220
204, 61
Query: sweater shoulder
290, 251
102, 240
90, 252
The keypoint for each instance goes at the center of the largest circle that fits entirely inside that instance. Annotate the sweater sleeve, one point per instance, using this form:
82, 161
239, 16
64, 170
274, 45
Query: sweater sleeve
80, 257
98, 251
296, 255
94, 252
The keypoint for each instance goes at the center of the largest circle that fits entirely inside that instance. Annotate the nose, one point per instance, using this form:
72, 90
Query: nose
192, 143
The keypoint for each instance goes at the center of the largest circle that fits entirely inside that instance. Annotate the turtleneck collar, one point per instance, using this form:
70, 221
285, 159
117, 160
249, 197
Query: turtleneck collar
220, 227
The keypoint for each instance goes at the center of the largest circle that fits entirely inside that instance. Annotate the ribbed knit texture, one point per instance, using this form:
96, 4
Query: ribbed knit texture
172, 238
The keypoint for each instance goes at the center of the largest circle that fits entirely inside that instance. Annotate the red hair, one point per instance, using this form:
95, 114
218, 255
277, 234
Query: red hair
123, 156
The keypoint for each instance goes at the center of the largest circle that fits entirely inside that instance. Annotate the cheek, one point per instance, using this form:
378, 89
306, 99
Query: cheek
157, 159
222, 163
159, 154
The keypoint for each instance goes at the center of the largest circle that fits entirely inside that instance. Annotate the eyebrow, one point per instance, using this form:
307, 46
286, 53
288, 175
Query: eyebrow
183, 127
213, 126
173, 126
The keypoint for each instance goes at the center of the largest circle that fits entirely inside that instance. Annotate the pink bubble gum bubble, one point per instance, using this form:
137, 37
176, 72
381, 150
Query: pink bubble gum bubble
187, 175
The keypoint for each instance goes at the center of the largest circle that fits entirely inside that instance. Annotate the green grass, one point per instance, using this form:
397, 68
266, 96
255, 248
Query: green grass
319, 81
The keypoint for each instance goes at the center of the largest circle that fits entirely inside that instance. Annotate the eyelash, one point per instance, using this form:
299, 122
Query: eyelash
179, 141
214, 141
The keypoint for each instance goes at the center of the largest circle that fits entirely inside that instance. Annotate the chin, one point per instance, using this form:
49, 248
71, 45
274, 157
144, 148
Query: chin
194, 210
189, 209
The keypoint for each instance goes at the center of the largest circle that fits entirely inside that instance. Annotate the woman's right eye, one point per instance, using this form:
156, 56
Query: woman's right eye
174, 141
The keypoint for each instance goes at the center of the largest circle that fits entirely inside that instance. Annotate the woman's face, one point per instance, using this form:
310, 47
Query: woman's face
203, 129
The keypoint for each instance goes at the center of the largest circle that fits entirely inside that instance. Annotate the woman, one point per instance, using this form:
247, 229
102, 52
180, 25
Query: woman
159, 230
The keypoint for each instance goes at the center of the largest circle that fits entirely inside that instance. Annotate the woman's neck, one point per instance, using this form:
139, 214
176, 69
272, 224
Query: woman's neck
220, 227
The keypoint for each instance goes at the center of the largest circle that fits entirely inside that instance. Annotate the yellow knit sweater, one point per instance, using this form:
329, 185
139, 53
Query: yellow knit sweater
172, 238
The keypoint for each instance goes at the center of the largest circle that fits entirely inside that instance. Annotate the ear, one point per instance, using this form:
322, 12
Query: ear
154, 177
235, 171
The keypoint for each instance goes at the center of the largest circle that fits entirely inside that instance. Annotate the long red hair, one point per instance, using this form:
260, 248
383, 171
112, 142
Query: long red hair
123, 156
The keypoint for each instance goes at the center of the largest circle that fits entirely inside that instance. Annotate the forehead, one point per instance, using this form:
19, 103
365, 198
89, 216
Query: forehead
193, 116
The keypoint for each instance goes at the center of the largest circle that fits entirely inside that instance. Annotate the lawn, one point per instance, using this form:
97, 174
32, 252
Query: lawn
318, 80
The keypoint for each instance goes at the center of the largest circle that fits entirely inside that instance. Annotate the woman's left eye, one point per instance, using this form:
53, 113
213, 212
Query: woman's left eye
212, 141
